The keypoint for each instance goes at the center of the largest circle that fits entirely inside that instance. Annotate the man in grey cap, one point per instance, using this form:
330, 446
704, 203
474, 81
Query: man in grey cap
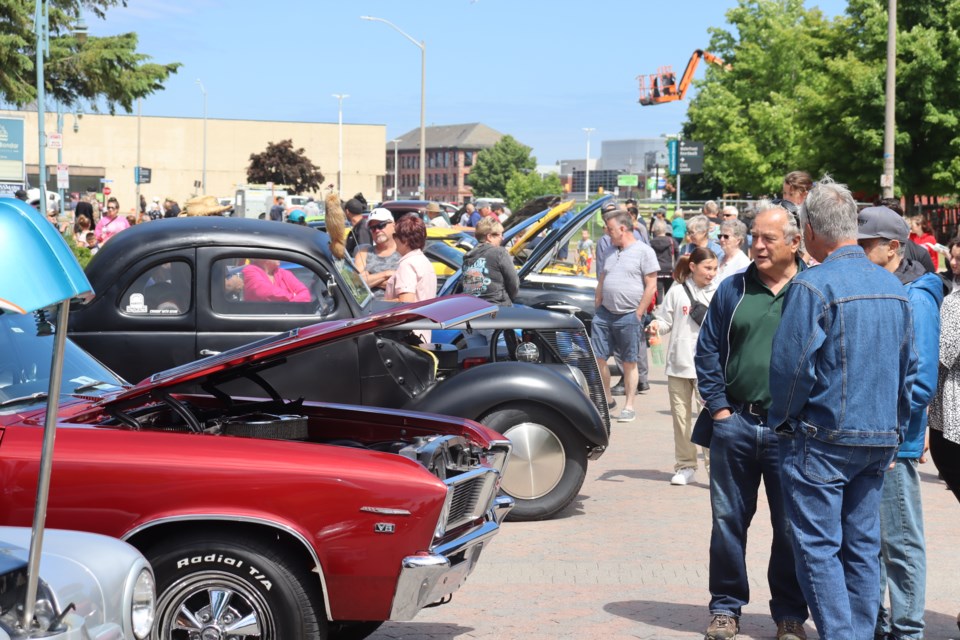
883, 236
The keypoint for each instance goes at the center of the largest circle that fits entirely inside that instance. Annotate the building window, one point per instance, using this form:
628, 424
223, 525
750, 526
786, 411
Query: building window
468, 158
445, 180
454, 179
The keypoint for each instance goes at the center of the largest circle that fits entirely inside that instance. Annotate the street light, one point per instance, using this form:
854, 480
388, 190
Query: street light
423, 101
396, 168
586, 187
340, 97
203, 188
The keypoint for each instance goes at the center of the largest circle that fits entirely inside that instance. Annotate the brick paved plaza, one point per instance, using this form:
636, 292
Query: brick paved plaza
628, 559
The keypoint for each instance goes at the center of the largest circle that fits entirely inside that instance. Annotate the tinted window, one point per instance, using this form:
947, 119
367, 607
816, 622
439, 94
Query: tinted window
162, 289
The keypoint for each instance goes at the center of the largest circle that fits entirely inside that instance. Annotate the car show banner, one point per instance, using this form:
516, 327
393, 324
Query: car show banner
12, 158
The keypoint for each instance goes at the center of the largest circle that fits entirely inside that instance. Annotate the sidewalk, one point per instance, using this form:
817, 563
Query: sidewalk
628, 559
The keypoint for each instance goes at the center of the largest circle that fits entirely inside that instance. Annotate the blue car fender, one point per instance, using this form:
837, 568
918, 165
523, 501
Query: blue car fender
477, 391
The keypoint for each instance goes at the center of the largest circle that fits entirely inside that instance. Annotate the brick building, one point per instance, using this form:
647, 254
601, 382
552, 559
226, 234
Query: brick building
451, 152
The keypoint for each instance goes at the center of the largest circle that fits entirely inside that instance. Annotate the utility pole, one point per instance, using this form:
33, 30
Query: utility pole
889, 120
586, 185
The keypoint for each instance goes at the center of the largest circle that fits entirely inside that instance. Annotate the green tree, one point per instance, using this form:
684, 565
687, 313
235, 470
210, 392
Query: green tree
849, 100
807, 93
105, 70
280, 163
525, 185
751, 119
496, 165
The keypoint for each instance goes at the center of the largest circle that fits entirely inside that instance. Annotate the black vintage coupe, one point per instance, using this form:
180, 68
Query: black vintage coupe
174, 290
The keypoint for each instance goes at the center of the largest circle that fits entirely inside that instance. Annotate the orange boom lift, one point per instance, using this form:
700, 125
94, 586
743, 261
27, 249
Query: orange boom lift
662, 86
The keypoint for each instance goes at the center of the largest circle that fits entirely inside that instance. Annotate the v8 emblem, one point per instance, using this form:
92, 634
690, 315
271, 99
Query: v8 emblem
384, 527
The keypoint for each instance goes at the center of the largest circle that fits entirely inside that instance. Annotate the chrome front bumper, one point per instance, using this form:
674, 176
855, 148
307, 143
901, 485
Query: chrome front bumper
428, 578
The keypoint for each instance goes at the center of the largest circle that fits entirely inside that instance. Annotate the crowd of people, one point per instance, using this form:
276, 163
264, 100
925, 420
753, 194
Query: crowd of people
816, 351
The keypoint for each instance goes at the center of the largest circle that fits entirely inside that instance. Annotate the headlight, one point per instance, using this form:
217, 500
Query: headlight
143, 607
528, 352
580, 378
441, 529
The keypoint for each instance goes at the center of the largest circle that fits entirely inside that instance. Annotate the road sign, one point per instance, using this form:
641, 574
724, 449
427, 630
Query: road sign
107, 191
627, 181
55, 141
141, 175
690, 157
672, 153
63, 176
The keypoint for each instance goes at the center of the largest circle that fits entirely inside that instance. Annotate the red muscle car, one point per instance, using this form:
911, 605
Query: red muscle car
263, 517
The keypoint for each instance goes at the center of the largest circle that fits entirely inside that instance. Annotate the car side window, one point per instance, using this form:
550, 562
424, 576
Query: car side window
268, 286
163, 289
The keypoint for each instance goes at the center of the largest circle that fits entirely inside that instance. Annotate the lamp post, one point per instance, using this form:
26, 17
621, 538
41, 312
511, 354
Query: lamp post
586, 186
423, 101
340, 97
42, 27
396, 169
203, 187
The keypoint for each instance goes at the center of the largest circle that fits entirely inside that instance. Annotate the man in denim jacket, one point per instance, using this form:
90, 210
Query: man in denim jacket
841, 378
883, 236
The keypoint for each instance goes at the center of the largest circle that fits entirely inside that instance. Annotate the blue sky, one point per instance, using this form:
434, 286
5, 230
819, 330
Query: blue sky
536, 69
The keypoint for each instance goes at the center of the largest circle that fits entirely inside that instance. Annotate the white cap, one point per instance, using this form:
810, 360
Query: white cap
380, 215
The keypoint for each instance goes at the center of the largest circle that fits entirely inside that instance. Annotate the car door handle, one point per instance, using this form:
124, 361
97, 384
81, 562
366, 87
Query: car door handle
209, 352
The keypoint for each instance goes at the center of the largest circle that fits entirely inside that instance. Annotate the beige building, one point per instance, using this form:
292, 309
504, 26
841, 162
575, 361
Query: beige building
105, 146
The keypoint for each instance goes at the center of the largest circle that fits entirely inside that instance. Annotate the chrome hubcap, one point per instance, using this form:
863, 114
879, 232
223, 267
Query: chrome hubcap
536, 462
211, 606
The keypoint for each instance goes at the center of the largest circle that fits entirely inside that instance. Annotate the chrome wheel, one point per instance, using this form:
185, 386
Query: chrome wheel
212, 605
536, 463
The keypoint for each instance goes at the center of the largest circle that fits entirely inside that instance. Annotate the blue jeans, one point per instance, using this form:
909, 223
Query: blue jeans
903, 566
831, 495
742, 452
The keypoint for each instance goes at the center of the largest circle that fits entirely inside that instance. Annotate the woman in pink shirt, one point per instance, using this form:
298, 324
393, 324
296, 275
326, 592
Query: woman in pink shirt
414, 278
265, 281
110, 223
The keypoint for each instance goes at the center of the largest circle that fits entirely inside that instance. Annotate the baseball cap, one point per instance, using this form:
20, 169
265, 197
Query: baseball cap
497, 206
882, 222
380, 215
296, 216
353, 206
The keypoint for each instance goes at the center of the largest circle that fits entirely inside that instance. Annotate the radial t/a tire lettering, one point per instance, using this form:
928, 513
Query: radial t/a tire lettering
237, 589
548, 463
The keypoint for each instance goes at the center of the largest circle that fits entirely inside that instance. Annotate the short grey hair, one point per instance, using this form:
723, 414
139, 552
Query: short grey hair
734, 228
711, 208
620, 216
659, 228
831, 211
732, 210
791, 228
698, 224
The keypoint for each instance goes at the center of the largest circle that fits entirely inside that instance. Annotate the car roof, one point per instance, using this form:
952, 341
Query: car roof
174, 233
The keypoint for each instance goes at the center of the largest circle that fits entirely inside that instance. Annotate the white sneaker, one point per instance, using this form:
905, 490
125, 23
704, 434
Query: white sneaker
684, 476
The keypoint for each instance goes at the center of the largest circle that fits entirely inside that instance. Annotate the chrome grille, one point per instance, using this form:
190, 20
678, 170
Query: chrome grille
575, 349
471, 495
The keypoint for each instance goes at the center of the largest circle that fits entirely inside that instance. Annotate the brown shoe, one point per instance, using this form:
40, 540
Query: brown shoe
722, 627
791, 630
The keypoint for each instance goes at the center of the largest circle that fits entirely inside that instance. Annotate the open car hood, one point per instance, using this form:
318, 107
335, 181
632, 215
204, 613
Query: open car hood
549, 244
524, 233
445, 312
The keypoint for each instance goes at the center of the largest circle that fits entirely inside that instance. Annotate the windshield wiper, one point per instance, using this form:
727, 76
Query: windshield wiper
92, 385
40, 395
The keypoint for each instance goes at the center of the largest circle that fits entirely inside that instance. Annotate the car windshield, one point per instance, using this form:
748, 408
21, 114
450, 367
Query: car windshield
25, 365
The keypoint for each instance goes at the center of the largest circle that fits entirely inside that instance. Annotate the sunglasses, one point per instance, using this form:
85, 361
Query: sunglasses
376, 226
109, 208
725, 236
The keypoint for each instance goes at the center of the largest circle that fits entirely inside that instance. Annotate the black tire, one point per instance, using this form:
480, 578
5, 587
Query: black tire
353, 630
282, 598
548, 463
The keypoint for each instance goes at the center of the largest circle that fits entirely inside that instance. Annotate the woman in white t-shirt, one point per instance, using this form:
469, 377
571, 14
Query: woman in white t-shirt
695, 276
733, 238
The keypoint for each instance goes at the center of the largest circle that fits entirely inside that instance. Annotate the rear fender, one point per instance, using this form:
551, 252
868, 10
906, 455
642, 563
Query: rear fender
477, 391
